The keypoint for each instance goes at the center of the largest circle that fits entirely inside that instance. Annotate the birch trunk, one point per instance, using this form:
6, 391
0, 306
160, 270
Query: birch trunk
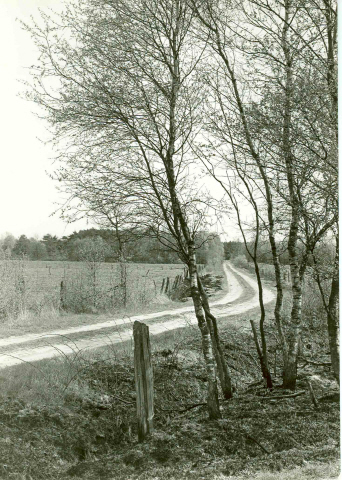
333, 318
180, 225
212, 399
222, 367
263, 355
290, 370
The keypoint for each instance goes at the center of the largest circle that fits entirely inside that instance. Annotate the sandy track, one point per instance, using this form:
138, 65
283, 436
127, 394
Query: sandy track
65, 341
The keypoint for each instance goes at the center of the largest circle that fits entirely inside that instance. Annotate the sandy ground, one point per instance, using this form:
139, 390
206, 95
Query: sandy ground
238, 299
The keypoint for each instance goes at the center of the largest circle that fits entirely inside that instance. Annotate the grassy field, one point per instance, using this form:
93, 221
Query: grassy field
45, 276
75, 417
40, 288
266, 270
37, 307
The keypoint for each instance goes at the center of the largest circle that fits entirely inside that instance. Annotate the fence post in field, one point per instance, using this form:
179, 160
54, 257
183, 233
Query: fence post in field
162, 287
62, 295
143, 379
167, 285
174, 286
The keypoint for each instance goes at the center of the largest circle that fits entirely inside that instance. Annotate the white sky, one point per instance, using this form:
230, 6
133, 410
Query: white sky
27, 194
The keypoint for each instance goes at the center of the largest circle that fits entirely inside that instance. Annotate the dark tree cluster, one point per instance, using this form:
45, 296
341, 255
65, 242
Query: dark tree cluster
139, 248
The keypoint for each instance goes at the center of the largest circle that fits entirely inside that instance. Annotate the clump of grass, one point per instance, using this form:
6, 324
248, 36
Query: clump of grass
13, 289
240, 261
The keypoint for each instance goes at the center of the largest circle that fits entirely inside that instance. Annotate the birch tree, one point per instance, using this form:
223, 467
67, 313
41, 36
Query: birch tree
261, 89
117, 82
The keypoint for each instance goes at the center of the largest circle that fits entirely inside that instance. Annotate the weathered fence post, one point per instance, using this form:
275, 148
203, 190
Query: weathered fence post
167, 285
162, 287
62, 295
143, 379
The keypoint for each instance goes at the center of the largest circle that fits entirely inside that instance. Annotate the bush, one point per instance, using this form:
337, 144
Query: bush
240, 261
314, 314
12, 286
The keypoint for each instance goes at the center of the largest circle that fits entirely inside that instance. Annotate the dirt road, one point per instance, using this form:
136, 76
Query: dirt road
240, 297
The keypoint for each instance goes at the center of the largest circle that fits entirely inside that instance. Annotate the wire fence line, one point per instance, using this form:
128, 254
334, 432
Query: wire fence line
78, 287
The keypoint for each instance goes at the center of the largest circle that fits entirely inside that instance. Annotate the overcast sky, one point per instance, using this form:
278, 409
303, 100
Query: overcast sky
27, 194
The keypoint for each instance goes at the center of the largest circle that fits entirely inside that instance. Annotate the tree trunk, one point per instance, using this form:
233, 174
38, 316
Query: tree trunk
263, 356
264, 366
123, 281
290, 370
280, 295
222, 367
333, 318
290, 367
212, 399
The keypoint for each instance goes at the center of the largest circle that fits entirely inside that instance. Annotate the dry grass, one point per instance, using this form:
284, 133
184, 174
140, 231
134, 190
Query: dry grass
40, 315
39, 285
46, 276
266, 270
310, 471
39, 309
75, 417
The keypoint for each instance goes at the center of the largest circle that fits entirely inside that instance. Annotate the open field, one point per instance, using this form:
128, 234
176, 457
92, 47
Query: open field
44, 277
41, 342
44, 289
31, 297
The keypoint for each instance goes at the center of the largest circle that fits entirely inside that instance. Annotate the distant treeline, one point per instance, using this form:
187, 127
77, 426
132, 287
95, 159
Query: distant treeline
140, 248
236, 248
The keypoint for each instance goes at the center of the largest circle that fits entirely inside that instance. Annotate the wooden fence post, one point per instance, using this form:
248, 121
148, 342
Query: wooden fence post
62, 295
167, 285
143, 379
162, 287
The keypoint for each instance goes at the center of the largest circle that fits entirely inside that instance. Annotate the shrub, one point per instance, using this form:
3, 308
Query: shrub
314, 314
12, 286
240, 261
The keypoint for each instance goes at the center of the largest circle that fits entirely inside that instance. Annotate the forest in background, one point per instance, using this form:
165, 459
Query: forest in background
138, 247
143, 248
